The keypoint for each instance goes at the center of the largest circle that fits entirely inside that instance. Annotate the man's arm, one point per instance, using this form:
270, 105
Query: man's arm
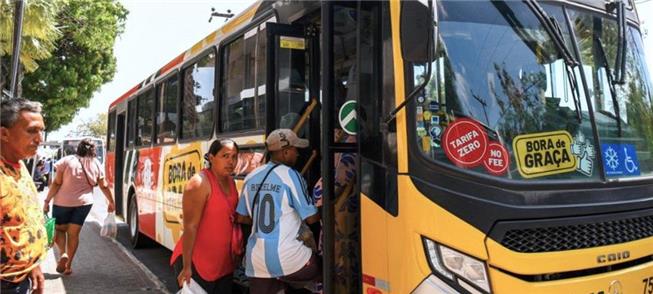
38, 279
313, 219
300, 200
242, 212
242, 219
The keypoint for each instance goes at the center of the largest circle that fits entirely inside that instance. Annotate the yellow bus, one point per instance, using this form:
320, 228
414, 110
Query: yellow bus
501, 146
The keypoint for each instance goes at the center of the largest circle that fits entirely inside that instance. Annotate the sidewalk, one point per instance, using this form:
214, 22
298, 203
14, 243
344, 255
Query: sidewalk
101, 265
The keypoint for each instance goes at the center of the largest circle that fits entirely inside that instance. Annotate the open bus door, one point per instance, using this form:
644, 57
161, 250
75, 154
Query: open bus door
293, 87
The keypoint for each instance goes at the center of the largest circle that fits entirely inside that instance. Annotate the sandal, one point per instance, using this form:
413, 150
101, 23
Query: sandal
68, 271
63, 262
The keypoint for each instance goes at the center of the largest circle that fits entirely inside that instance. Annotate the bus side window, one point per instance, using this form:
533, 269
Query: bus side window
145, 124
166, 116
111, 134
131, 124
198, 102
243, 96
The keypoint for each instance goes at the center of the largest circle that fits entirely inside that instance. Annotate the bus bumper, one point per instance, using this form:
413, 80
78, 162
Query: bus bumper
636, 279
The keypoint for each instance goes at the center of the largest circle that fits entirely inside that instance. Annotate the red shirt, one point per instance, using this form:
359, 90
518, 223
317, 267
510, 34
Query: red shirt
212, 251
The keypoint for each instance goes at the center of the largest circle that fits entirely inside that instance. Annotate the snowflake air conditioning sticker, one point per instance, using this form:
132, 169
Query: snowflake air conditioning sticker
583, 149
620, 160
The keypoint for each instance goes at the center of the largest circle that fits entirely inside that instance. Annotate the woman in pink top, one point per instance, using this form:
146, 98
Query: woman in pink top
209, 203
72, 191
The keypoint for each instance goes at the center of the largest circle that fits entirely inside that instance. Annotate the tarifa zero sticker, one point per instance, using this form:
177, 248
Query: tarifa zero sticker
464, 142
544, 154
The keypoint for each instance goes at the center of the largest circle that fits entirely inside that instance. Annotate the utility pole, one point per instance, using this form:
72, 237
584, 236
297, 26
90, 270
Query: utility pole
15, 57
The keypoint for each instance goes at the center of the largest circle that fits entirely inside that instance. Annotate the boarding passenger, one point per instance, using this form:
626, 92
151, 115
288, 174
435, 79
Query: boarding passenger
275, 201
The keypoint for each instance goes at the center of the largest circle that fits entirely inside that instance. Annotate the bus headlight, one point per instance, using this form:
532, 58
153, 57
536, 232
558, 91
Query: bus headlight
456, 266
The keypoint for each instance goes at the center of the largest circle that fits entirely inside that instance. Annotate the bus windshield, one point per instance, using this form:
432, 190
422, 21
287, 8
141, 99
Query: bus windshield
70, 147
502, 101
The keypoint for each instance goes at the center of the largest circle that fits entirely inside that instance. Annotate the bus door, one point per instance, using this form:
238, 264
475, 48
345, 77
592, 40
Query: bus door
293, 87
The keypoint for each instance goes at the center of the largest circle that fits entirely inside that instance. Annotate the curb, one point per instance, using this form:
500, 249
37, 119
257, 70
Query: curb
159, 286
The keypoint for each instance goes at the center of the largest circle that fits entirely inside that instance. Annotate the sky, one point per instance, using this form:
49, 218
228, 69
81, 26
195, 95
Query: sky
157, 31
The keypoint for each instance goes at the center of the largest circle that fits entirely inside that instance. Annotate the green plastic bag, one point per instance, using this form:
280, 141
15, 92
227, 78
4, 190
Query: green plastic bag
49, 228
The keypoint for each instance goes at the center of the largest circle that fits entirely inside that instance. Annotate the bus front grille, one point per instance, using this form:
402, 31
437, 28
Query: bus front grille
582, 233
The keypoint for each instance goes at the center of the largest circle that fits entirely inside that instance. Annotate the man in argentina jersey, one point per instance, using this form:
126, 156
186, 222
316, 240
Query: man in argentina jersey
274, 252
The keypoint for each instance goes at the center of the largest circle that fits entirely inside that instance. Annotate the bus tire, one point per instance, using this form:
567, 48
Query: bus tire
137, 239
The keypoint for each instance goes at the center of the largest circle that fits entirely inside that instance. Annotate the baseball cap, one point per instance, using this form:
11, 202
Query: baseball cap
281, 138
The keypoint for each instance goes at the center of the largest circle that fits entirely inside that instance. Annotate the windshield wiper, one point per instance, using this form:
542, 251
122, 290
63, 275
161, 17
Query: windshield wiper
575, 94
427, 74
620, 64
551, 27
613, 90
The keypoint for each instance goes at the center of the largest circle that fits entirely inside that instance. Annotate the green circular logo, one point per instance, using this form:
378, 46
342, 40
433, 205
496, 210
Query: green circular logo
347, 117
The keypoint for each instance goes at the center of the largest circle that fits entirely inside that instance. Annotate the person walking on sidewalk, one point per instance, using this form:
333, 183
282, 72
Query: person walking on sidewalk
23, 240
275, 200
208, 204
72, 191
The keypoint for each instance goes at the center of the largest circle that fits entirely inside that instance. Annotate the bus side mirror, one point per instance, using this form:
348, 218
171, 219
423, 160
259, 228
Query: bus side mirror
417, 27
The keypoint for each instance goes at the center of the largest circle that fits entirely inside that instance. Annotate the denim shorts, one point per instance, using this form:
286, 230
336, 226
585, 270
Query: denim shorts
22, 287
70, 215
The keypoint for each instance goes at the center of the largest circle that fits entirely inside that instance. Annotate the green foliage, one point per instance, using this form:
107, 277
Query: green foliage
96, 127
82, 61
39, 34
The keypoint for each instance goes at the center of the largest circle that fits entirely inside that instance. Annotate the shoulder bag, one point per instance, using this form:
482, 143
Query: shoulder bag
86, 174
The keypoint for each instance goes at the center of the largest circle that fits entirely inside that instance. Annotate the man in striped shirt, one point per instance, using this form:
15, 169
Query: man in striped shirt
275, 200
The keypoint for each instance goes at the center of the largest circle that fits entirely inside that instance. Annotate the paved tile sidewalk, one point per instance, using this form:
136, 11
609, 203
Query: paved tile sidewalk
101, 265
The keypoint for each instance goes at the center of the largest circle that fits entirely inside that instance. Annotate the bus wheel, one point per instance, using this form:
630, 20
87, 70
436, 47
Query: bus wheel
138, 239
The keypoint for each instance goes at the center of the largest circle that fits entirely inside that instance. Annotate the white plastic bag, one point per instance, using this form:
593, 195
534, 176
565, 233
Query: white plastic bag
192, 288
109, 229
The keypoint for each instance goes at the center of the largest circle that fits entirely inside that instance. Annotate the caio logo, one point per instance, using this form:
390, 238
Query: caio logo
612, 257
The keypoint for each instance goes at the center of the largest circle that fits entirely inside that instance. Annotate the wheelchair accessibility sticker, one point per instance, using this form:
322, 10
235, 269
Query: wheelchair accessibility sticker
620, 160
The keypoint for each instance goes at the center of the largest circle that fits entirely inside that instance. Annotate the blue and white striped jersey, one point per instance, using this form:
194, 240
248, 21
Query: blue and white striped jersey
283, 202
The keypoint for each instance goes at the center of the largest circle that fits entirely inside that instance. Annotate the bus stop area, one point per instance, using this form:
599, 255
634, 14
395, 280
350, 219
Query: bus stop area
101, 265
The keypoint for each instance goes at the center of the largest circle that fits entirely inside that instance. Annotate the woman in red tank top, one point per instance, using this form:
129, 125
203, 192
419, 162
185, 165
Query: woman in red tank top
208, 203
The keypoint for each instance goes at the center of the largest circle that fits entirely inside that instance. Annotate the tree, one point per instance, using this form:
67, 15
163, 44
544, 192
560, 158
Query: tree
38, 37
82, 61
96, 127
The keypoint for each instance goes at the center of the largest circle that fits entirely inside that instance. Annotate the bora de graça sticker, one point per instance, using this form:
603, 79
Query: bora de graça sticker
543, 154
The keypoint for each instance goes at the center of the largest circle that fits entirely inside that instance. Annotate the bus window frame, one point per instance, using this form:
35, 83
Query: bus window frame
189, 63
158, 83
111, 125
270, 16
140, 94
128, 122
